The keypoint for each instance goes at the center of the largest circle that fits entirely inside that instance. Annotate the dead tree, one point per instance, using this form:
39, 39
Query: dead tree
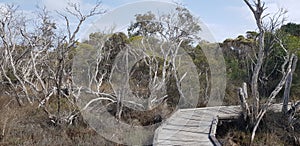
259, 109
13, 63
69, 41
34, 60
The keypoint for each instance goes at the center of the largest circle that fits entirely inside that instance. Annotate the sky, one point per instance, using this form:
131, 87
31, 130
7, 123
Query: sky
223, 18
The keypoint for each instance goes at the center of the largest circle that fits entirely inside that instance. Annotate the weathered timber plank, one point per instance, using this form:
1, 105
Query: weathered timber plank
200, 138
189, 118
192, 126
170, 133
194, 114
202, 129
212, 111
221, 112
193, 119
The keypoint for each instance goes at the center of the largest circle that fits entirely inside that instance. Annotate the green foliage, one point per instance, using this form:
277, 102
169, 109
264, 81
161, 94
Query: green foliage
187, 20
251, 35
135, 38
108, 45
235, 71
171, 26
238, 53
145, 25
291, 41
86, 52
292, 28
199, 59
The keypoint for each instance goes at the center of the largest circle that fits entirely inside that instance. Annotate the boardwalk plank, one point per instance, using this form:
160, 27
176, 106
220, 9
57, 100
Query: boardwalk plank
170, 133
191, 127
183, 121
202, 129
200, 138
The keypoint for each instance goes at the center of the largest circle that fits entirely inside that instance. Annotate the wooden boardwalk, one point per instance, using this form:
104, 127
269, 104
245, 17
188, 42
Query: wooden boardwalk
192, 127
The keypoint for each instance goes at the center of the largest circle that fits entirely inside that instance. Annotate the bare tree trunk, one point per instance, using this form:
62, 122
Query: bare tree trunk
286, 95
258, 7
292, 61
288, 84
243, 94
254, 85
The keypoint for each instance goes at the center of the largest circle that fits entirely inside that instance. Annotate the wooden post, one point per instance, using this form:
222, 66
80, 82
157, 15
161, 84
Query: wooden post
243, 94
213, 131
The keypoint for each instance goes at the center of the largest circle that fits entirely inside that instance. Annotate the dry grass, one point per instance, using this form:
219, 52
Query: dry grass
273, 131
28, 125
